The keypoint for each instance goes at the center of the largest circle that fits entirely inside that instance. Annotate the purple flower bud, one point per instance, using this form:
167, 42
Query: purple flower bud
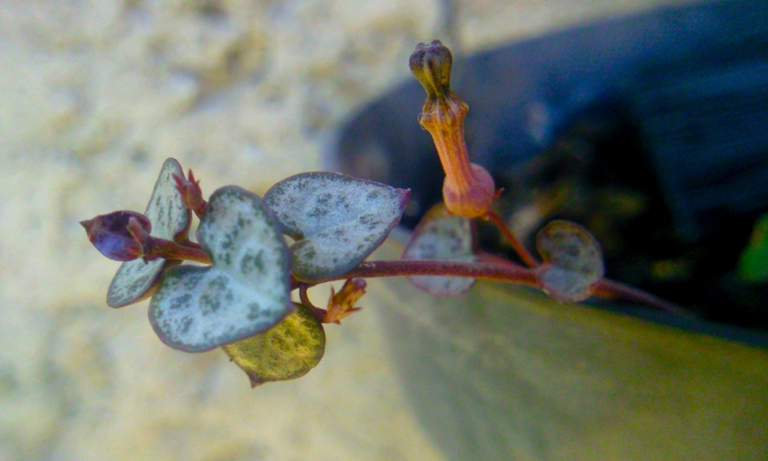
110, 235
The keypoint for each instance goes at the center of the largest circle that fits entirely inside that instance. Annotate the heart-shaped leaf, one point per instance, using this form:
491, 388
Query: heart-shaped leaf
246, 290
444, 237
572, 260
337, 220
135, 280
287, 351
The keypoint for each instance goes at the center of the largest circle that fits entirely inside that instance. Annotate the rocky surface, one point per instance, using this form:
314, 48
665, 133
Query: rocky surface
95, 95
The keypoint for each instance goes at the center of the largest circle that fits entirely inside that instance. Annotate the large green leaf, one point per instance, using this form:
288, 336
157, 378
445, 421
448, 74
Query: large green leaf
511, 374
753, 262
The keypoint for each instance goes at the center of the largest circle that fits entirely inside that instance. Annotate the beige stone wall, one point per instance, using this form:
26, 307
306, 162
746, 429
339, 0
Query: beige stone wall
94, 95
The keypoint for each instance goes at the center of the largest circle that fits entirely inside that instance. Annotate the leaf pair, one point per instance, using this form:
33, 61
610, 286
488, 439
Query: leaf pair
244, 292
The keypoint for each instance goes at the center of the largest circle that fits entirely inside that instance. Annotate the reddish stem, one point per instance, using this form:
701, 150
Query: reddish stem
398, 268
304, 298
497, 270
615, 291
153, 247
167, 249
490, 267
510, 238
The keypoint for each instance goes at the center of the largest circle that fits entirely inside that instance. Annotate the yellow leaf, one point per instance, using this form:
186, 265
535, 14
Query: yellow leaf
287, 351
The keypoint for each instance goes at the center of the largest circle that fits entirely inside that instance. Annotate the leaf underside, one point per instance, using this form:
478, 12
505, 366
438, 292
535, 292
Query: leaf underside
444, 237
572, 260
135, 280
246, 290
336, 220
287, 351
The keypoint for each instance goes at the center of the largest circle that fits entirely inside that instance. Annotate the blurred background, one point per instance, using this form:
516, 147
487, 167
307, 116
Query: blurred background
94, 95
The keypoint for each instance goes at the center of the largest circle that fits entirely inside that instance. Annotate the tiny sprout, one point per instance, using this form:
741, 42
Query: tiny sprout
191, 194
342, 304
468, 189
110, 234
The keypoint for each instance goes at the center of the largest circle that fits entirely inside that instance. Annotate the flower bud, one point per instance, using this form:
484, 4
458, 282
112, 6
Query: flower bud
431, 64
110, 234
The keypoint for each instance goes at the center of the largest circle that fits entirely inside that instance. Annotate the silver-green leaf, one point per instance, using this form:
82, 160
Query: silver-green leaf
135, 280
572, 260
244, 292
337, 220
444, 237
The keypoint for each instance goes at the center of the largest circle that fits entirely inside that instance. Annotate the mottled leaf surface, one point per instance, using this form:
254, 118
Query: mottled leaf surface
572, 260
337, 220
170, 220
287, 351
246, 289
444, 237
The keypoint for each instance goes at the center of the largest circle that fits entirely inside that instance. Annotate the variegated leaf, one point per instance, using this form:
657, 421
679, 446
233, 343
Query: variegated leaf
337, 220
445, 237
572, 260
135, 280
244, 292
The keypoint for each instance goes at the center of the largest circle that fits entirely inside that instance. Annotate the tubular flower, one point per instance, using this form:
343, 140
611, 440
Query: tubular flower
468, 189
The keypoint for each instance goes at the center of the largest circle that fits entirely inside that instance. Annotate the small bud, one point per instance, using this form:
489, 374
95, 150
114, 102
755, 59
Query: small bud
342, 304
468, 189
431, 64
110, 234
191, 194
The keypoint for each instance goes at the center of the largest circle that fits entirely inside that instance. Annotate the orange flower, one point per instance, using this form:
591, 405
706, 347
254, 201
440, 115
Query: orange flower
468, 189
